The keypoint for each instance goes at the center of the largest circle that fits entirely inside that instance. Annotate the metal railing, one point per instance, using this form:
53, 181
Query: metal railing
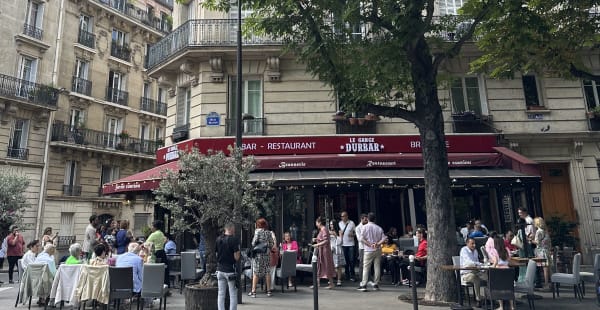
13, 87
469, 122
150, 105
120, 51
18, 153
202, 32
355, 126
81, 86
65, 241
117, 96
72, 190
137, 13
32, 31
251, 127
86, 38
105, 140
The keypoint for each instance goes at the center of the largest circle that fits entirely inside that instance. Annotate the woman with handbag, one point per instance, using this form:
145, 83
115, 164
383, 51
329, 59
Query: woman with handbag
325, 266
262, 243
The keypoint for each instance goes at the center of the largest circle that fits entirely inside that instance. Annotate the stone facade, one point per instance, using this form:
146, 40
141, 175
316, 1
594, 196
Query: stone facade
109, 116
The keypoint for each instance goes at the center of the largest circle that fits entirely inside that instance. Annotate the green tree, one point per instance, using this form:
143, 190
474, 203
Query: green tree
209, 191
383, 57
12, 199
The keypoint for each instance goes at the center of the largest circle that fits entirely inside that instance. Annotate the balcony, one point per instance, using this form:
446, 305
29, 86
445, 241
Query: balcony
152, 106
166, 3
18, 153
469, 122
86, 38
122, 52
201, 33
33, 31
71, 190
64, 242
251, 127
354, 125
81, 86
103, 140
136, 13
117, 96
15, 88
181, 133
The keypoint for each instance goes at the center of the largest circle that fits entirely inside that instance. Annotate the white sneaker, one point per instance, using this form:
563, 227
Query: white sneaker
370, 283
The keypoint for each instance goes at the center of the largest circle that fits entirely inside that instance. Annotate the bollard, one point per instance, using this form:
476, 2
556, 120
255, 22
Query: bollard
413, 276
315, 280
238, 281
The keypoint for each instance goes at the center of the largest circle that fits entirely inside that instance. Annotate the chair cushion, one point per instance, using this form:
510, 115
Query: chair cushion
587, 276
564, 278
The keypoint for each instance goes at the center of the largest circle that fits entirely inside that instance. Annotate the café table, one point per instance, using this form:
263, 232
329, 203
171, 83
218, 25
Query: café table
456, 270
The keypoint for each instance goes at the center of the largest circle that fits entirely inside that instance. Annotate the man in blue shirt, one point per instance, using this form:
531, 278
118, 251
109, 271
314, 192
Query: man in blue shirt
170, 246
470, 258
132, 259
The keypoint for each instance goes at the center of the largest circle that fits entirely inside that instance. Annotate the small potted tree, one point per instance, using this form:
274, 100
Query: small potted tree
208, 191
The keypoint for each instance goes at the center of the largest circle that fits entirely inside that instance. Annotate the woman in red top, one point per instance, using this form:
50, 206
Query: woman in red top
14, 250
420, 256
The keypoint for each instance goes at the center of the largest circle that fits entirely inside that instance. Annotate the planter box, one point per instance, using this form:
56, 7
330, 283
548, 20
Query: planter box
471, 123
595, 124
201, 298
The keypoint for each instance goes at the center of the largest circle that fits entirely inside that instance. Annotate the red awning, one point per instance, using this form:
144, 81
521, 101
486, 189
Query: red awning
142, 181
518, 162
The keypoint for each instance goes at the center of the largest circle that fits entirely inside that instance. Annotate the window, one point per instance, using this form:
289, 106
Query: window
119, 37
251, 105
115, 80
86, 33
76, 119
109, 174
140, 220
17, 146
450, 7
144, 132
465, 95
158, 133
114, 129
120, 45
81, 84
592, 91
71, 183
85, 23
116, 88
184, 96
27, 74
33, 20
67, 223
531, 91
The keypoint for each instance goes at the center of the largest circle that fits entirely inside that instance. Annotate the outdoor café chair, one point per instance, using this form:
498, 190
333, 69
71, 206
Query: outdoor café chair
121, 285
590, 276
569, 278
36, 282
463, 284
527, 286
288, 268
188, 268
65, 281
500, 285
153, 285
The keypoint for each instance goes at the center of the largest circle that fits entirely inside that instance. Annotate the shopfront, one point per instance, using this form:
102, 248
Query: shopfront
325, 175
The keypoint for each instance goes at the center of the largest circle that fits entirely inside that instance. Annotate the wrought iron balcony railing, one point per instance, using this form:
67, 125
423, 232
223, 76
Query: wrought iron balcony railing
120, 51
18, 153
202, 32
117, 96
134, 12
149, 105
469, 122
86, 38
81, 86
250, 127
32, 31
72, 190
64, 242
104, 140
13, 87
355, 126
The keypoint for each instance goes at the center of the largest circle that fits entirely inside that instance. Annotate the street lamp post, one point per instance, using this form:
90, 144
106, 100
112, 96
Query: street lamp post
238, 116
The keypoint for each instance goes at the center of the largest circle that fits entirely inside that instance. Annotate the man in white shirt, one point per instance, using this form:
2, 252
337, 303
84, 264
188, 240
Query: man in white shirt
470, 258
347, 232
372, 238
361, 246
527, 232
89, 239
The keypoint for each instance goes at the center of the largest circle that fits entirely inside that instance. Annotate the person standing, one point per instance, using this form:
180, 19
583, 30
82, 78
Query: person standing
48, 237
527, 231
3, 248
158, 239
339, 261
228, 254
543, 244
372, 238
325, 266
14, 250
124, 237
348, 232
89, 239
260, 263
361, 245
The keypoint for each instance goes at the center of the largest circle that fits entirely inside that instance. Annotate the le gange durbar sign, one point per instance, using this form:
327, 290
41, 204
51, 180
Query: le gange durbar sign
303, 145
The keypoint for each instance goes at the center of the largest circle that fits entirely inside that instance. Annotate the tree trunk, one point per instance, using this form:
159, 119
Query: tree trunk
210, 233
200, 298
441, 232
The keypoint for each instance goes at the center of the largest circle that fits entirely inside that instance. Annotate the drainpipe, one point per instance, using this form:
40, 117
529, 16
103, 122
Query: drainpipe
44, 180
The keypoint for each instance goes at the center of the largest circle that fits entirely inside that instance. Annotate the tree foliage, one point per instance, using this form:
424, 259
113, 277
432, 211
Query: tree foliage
12, 199
539, 36
208, 191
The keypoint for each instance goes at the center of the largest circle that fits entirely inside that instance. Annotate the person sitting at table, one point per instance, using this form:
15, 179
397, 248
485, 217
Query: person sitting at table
489, 243
470, 258
420, 256
390, 260
170, 246
508, 236
47, 257
74, 253
499, 257
290, 245
99, 258
477, 232
132, 259
30, 255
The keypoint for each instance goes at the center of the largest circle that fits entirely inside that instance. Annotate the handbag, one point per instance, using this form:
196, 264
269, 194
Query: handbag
517, 241
260, 248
